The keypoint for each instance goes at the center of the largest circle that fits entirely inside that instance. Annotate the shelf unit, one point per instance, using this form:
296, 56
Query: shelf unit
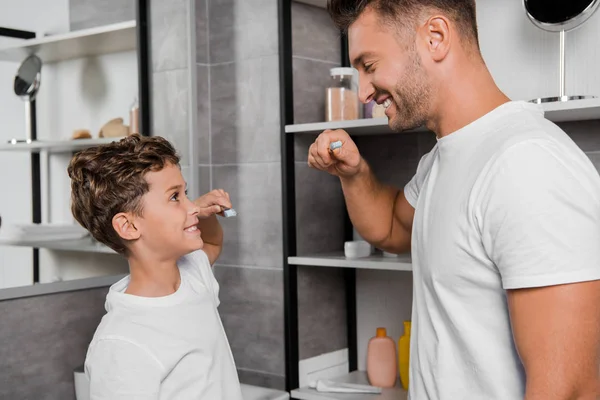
86, 245
577, 110
358, 377
56, 146
338, 260
124, 36
77, 44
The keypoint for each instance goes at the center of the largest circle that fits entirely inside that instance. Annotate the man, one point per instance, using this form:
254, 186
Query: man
502, 216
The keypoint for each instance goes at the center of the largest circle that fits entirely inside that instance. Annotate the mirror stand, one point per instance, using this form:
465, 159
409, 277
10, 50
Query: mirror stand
561, 76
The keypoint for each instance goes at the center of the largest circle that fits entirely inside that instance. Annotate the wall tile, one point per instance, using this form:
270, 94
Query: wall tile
204, 178
393, 158
252, 314
43, 340
311, 79
245, 111
202, 24
254, 237
169, 25
202, 138
585, 133
320, 211
261, 379
170, 98
321, 311
242, 29
595, 158
85, 14
313, 34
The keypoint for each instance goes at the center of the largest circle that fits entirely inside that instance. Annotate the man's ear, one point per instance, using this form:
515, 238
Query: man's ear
436, 35
123, 224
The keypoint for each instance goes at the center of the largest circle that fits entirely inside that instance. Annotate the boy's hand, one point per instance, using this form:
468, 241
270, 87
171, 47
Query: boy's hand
213, 202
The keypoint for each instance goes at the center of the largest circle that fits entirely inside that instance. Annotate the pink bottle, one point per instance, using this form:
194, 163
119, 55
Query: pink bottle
381, 360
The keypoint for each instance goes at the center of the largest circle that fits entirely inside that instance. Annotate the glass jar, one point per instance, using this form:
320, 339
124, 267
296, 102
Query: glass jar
341, 101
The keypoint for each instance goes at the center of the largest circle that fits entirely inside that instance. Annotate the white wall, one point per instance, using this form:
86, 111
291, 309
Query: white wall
78, 94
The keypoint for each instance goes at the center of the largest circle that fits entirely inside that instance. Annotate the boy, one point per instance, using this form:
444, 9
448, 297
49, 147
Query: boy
162, 337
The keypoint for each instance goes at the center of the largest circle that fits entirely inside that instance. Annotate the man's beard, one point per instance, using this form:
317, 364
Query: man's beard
411, 97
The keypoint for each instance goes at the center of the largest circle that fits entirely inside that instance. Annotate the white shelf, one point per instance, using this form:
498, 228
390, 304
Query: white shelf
575, 110
338, 260
77, 44
56, 146
365, 126
86, 245
359, 377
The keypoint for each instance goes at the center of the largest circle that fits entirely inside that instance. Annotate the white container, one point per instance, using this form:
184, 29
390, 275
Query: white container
82, 385
357, 249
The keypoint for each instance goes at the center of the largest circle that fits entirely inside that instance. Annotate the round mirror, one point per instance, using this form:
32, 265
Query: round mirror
27, 81
559, 15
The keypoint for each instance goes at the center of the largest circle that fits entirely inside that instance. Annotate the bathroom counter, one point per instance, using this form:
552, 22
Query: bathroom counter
359, 377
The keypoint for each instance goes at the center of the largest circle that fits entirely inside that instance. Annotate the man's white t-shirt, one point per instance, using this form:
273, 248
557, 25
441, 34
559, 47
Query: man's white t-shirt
164, 348
509, 201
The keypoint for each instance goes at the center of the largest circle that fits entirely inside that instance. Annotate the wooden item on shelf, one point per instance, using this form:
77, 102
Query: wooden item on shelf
114, 128
81, 134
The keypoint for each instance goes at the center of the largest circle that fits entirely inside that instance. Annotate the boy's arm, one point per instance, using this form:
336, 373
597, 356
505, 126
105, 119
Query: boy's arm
120, 370
211, 204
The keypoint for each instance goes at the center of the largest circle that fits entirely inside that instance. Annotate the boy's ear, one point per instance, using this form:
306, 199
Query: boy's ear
124, 225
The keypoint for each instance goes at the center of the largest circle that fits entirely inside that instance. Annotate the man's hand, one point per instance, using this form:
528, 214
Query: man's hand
213, 202
344, 162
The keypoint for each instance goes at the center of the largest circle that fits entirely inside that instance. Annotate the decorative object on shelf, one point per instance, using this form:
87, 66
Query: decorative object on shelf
560, 16
81, 134
389, 255
114, 128
378, 111
368, 109
26, 85
357, 249
342, 95
134, 117
381, 360
404, 355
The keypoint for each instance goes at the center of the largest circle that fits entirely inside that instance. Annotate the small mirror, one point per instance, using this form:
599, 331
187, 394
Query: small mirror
26, 86
560, 16
27, 81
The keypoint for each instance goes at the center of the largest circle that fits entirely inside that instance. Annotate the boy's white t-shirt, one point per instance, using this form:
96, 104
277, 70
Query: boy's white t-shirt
507, 202
171, 347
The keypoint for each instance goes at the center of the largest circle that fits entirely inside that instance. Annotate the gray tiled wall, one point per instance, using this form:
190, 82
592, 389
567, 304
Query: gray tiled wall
238, 132
43, 340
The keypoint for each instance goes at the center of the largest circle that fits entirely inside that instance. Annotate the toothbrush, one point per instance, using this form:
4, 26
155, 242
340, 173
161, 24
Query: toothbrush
335, 145
230, 212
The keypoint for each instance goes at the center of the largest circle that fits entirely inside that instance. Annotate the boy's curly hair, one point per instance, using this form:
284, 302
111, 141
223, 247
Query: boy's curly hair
109, 179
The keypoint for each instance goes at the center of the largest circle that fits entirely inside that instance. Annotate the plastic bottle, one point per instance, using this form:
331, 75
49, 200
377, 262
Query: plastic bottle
134, 117
382, 369
404, 355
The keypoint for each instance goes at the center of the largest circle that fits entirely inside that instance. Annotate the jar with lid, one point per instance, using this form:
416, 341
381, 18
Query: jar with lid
341, 101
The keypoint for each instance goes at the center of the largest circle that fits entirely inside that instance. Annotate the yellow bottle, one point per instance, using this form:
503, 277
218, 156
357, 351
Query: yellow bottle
404, 355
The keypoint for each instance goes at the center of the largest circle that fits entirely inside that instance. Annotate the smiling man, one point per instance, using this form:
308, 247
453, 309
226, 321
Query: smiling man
502, 216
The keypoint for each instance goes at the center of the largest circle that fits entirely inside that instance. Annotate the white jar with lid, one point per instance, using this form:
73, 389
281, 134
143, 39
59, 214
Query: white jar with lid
341, 102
